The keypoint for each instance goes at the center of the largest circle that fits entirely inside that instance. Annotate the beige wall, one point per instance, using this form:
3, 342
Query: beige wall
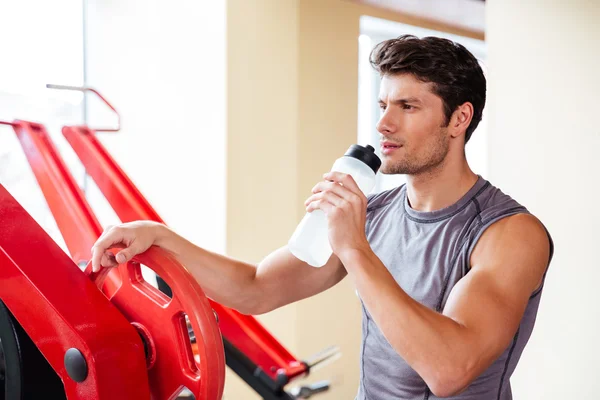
292, 100
544, 141
262, 82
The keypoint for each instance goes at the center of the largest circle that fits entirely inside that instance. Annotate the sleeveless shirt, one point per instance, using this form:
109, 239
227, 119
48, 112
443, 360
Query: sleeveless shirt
427, 253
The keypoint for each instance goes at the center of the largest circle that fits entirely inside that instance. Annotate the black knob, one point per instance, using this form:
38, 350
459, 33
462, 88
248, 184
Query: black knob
76, 365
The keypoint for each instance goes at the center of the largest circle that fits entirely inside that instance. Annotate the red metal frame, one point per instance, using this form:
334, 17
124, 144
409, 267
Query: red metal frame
135, 299
243, 331
74, 217
80, 228
75, 313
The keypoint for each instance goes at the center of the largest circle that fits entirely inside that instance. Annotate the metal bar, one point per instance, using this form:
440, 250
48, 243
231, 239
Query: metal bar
243, 331
323, 357
60, 309
74, 217
89, 89
248, 371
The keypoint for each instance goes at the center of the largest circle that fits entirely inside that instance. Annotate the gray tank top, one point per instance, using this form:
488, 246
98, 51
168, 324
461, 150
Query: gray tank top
428, 253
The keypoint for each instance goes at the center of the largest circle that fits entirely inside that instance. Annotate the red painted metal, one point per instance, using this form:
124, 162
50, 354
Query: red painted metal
161, 320
69, 207
74, 217
243, 331
81, 229
60, 308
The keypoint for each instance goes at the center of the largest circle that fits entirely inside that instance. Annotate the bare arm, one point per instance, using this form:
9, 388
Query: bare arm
278, 280
449, 350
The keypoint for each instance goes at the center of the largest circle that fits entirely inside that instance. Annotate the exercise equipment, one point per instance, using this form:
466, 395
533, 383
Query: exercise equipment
174, 331
61, 309
121, 344
24, 372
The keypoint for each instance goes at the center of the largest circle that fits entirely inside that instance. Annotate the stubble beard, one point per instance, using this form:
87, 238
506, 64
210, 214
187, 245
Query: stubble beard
413, 164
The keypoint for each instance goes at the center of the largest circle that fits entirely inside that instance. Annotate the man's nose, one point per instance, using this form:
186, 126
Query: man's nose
385, 125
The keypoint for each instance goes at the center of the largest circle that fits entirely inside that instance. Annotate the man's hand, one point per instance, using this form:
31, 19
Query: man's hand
134, 237
345, 206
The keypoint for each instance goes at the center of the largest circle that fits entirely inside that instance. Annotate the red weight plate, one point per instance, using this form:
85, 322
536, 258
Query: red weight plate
161, 321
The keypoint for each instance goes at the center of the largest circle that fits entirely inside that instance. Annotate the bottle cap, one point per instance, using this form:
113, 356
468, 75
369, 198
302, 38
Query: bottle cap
365, 154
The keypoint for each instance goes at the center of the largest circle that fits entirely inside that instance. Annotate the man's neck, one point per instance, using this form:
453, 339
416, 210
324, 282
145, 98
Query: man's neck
440, 187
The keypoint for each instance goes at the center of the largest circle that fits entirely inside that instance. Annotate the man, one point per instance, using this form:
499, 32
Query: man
449, 269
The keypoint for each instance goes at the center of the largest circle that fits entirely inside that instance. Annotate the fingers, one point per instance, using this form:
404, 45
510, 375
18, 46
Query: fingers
344, 194
108, 260
111, 237
341, 191
329, 195
134, 238
97, 255
321, 204
126, 254
344, 179
331, 186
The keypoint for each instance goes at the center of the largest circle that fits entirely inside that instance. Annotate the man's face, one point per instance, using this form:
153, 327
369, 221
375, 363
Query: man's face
412, 122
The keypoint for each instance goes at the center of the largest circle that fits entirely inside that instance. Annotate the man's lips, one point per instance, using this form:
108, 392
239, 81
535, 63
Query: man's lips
389, 147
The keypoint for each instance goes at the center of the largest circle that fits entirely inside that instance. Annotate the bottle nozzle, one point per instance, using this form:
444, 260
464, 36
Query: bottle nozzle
365, 154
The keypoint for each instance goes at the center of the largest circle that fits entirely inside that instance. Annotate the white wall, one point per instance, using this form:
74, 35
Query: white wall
544, 142
16, 174
38, 48
162, 64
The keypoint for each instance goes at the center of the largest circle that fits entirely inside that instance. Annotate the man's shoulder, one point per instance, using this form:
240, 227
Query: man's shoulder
384, 198
499, 213
492, 203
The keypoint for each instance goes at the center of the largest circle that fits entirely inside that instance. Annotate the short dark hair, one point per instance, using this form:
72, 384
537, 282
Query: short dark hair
454, 72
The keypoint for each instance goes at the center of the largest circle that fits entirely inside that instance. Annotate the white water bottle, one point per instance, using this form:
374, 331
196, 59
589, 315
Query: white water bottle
310, 242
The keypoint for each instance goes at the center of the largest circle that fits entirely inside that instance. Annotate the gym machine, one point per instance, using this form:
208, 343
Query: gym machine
66, 332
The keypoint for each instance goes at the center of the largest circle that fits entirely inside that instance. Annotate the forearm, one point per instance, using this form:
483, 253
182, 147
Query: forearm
223, 279
434, 345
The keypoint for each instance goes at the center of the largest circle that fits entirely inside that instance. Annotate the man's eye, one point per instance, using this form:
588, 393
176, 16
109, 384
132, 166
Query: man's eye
382, 107
407, 107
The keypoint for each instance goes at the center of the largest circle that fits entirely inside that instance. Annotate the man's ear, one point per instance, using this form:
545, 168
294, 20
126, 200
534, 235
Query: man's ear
461, 119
